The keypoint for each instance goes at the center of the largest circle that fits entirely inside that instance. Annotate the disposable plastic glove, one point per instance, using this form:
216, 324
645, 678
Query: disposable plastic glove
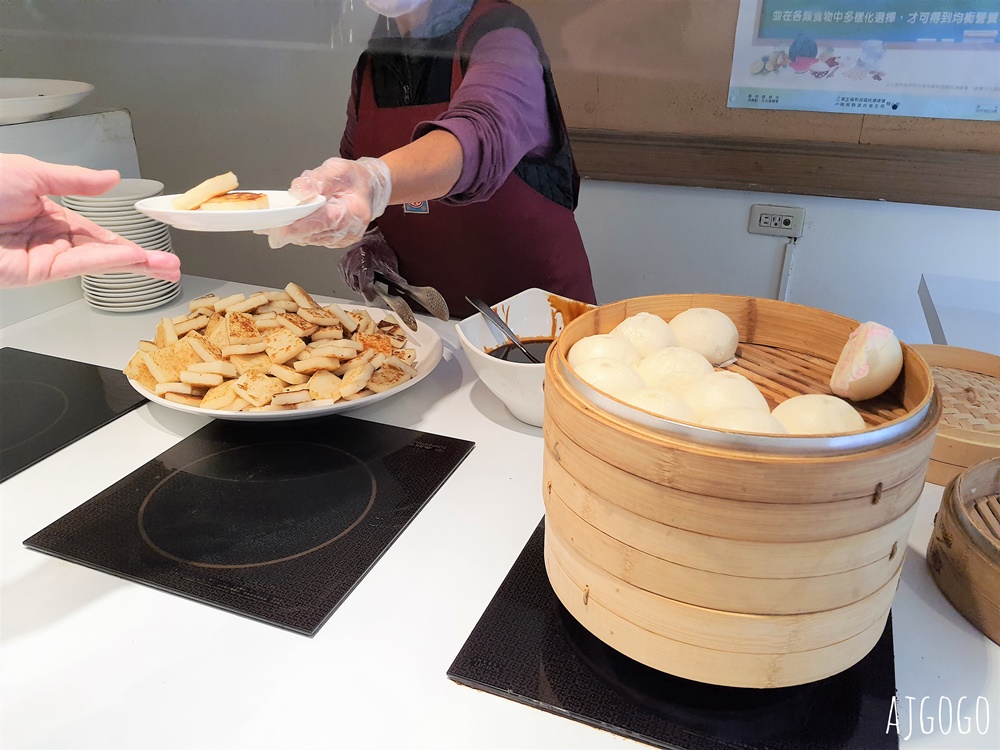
359, 264
357, 192
41, 241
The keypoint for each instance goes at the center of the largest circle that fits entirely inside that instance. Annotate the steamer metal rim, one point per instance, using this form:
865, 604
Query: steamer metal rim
824, 445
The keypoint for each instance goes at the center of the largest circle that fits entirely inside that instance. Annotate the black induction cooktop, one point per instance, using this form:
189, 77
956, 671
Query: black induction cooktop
277, 521
48, 402
528, 648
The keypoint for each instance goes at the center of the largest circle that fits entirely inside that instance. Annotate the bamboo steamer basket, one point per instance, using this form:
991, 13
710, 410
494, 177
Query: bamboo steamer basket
964, 551
727, 558
969, 432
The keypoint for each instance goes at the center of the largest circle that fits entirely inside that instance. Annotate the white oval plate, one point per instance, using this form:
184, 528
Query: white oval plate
429, 351
283, 211
29, 99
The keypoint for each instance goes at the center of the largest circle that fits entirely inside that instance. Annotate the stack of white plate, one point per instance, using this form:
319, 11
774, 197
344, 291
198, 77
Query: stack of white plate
115, 210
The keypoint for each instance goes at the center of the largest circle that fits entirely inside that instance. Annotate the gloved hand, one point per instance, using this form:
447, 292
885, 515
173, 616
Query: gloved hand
359, 264
42, 241
357, 192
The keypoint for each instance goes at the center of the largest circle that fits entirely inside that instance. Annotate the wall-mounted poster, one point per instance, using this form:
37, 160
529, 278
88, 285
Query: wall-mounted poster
918, 58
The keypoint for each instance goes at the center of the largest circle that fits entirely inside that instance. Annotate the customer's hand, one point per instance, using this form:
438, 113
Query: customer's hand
359, 264
357, 192
41, 241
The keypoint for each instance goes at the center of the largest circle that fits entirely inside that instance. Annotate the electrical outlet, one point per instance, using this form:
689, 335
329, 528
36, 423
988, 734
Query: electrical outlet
781, 221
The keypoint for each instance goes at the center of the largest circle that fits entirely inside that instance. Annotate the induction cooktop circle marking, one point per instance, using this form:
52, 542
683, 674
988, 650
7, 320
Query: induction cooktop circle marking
240, 475
41, 418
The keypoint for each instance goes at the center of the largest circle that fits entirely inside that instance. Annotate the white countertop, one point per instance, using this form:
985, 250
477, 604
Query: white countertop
88, 660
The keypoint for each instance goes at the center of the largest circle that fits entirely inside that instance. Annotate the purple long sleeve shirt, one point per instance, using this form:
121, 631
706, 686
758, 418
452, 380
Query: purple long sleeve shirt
498, 114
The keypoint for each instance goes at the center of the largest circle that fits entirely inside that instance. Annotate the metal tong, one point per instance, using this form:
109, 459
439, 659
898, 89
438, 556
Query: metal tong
398, 305
427, 297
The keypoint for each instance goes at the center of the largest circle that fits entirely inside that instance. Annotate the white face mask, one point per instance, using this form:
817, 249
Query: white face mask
395, 8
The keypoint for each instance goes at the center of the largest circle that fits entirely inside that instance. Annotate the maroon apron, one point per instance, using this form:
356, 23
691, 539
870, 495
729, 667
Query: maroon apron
516, 240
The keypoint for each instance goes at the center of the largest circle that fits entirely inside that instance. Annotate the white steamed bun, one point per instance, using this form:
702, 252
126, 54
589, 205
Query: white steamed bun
603, 345
709, 332
611, 376
663, 365
818, 414
661, 402
646, 332
716, 391
869, 363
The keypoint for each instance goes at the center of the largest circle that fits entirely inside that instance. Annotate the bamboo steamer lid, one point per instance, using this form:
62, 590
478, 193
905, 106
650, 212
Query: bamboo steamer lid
964, 551
727, 558
969, 432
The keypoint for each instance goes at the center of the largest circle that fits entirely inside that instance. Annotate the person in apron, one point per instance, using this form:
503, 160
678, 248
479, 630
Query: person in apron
457, 151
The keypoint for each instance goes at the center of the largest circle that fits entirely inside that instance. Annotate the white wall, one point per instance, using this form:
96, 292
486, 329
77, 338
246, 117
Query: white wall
260, 87
862, 259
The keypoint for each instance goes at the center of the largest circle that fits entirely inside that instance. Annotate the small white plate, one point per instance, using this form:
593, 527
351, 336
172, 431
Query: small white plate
124, 194
107, 213
120, 300
138, 307
128, 298
126, 222
124, 289
424, 340
133, 287
142, 233
143, 282
30, 99
284, 210
160, 287
118, 205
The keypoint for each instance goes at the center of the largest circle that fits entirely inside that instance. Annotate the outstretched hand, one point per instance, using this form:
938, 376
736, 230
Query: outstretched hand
41, 241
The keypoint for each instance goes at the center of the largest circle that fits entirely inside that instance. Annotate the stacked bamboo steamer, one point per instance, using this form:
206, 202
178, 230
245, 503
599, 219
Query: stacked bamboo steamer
969, 433
726, 558
964, 551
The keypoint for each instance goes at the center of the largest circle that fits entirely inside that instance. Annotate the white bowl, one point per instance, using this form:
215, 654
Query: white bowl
530, 314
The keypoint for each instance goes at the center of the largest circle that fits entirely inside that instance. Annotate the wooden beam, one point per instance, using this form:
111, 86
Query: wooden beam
964, 179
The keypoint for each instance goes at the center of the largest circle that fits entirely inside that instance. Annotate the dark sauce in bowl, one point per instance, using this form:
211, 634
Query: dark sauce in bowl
510, 352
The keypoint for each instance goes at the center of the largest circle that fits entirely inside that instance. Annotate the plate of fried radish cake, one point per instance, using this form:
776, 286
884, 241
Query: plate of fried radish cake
217, 205
279, 355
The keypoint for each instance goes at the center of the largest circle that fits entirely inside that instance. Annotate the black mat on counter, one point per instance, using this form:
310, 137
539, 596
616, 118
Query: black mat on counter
278, 521
528, 648
47, 403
